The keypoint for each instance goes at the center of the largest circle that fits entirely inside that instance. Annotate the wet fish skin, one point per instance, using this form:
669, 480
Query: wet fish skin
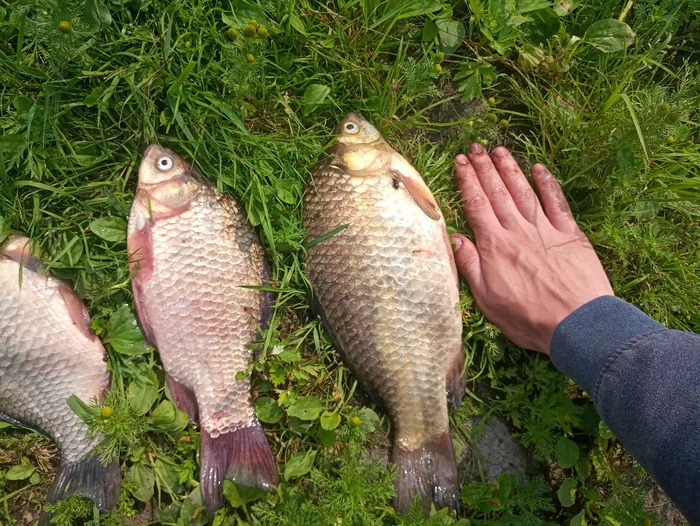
387, 290
192, 251
47, 354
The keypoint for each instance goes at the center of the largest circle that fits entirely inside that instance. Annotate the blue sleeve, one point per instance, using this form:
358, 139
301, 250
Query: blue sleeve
645, 383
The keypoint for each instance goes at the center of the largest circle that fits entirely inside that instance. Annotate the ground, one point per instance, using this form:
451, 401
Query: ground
604, 92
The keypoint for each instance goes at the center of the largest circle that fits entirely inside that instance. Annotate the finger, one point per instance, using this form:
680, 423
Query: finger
553, 199
519, 187
494, 187
474, 201
468, 264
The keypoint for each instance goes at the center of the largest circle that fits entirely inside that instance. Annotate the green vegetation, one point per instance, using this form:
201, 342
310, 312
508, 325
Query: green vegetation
605, 92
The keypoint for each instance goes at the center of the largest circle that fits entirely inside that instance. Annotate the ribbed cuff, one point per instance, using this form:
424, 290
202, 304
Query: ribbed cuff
585, 340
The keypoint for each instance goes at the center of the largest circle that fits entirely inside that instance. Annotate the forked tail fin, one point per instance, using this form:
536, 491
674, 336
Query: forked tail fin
429, 471
88, 478
243, 456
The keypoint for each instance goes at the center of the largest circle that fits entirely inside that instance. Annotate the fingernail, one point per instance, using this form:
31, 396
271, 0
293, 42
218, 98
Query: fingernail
499, 152
457, 241
476, 148
461, 159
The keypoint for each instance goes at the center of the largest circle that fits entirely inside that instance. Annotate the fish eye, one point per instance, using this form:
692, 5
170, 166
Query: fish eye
164, 163
351, 127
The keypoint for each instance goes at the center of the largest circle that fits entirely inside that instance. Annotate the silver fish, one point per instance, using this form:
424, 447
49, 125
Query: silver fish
192, 252
47, 354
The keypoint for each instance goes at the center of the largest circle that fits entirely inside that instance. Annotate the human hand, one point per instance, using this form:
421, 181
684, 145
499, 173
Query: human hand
531, 267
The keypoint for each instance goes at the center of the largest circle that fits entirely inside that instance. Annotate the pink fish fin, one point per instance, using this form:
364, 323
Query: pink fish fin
19, 248
243, 456
420, 192
430, 472
89, 478
456, 378
76, 310
450, 256
183, 397
140, 246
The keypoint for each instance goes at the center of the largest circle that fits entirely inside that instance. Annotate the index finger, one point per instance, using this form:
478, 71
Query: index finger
477, 206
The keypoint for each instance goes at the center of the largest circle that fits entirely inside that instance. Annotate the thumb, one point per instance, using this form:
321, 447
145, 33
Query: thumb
468, 263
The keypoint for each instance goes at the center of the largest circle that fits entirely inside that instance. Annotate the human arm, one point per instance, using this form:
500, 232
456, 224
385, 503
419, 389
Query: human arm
534, 274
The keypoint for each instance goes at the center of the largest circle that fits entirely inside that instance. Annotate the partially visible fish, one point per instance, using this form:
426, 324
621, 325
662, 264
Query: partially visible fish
192, 255
387, 290
47, 354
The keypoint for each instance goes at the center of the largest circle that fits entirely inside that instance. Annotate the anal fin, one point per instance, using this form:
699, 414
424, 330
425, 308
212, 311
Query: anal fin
183, 397
456, 377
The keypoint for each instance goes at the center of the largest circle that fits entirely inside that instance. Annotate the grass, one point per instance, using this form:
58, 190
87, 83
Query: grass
618, 126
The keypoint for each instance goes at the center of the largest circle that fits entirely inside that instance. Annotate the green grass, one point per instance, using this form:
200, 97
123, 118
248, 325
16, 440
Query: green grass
619, 129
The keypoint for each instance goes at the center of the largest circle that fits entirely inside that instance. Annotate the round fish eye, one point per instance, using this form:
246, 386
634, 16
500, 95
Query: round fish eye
351, 127
164, 163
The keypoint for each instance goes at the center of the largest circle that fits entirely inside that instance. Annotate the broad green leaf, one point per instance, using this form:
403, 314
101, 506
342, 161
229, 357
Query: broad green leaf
96, 15
330, 420
451, 35
143, 481
21, 472
169, 475
268, 410
306, 408
566, 452
297, 24
314, 96
567, 492
80, 408
543, 25
241, 495
248, 10
299, 464
609, 35
4, 228
167, 418
327, 438
109, 228
124, 334
430, 31
646, 210
604, 431
142, 393
369, 420
564, 7
579, 519
92, 99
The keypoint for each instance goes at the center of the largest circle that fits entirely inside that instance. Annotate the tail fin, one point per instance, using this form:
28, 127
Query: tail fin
243, 455
430, 472
88, 478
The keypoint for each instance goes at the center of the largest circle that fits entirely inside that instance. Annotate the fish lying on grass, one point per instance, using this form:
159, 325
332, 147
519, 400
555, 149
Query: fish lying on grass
47, 354
192, 254
386, 288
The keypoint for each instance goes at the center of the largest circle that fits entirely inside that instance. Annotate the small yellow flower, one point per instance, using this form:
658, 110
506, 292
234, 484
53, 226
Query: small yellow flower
491, 101
253, 23
440, 56
505, 123
232, 33
438, 68
491, 117
665, 107
249, 31
188, 43
65, 26
355, 420
107, 411
262, 32
670, 139
250, 58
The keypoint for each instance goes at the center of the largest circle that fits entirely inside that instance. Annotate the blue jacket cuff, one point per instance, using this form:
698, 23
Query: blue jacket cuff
585, 340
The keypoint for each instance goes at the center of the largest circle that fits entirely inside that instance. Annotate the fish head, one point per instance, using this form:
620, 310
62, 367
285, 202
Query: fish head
167, 183
360, 146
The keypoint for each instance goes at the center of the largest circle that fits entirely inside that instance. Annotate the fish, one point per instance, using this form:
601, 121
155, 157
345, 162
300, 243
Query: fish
192, 256
386, 287
47, 354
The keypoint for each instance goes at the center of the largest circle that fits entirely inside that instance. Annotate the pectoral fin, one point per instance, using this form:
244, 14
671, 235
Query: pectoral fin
420, 192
